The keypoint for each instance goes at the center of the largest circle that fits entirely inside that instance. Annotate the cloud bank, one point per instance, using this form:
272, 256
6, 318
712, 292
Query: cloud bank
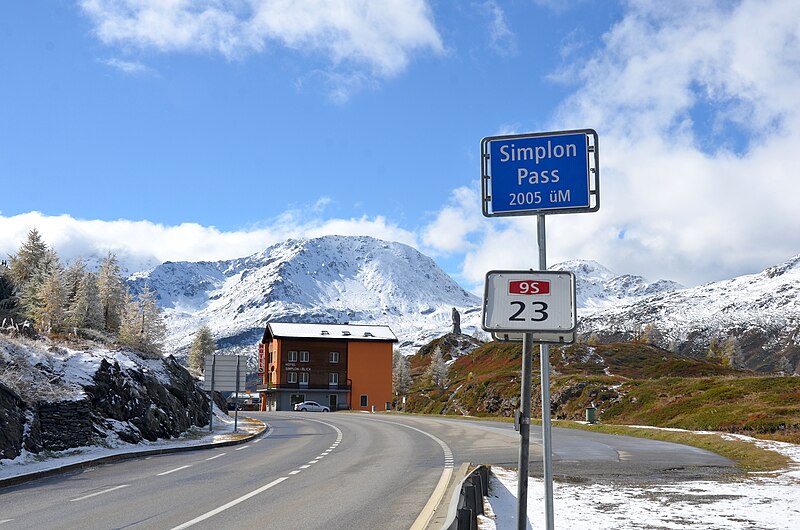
141, 245
696, 107
357, 38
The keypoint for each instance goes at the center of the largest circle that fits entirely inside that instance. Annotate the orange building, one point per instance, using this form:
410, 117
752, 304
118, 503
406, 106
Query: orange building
339, 366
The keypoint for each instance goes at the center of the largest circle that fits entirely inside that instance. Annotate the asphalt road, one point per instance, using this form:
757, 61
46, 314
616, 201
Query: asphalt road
325, 471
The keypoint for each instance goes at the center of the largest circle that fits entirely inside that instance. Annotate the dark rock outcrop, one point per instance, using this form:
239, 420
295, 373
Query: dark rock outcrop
12, 423
154, 409
133, 403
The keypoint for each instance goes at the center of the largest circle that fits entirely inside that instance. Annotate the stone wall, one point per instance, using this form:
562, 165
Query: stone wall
12, 422
131, 403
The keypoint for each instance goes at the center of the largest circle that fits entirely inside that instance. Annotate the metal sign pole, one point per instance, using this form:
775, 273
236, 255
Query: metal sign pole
544, 361
211, 394
236, 399
524, 432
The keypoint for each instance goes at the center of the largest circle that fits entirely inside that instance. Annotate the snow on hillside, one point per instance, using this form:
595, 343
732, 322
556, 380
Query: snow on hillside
762, 310
597, 288
329, 279
341, 279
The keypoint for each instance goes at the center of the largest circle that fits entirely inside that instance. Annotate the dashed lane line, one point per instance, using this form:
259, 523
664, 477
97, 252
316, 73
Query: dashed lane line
426, 514
262, 489
216, 456
173, 470
231, 504
95, 494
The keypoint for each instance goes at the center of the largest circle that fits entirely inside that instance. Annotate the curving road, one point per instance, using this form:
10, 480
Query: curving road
324, 471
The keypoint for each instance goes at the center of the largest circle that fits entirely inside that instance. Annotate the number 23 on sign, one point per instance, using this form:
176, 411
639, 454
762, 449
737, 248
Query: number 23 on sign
529, 301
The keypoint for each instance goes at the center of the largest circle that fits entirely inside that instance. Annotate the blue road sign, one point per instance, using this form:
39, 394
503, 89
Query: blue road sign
540, 173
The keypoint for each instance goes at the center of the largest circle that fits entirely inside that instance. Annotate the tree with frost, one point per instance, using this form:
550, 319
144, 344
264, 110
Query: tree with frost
437, 370
142, 326
785, 366
73, 275
732, 353
651, 335
401, 374
28, 270
9, 301
714, 352
85, 311
112, 291
50, 314
202, 345
28, 259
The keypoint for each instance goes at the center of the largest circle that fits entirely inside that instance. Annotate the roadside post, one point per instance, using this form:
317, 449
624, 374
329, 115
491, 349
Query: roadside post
236, 399
536, 174
225, 377
211, 394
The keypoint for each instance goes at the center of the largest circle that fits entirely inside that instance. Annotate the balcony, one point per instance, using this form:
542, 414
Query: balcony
297, 386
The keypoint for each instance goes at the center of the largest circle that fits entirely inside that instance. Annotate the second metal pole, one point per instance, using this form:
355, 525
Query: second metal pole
544, 363
524, 431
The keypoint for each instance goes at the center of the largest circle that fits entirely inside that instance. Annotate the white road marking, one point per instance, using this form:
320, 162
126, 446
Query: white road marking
173, 470
3, 521
295, 472
231, 504
305, 466
91, 495
217, 456
242, 447
426, 514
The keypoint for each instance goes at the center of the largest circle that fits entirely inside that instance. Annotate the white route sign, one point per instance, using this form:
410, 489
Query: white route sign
529, 301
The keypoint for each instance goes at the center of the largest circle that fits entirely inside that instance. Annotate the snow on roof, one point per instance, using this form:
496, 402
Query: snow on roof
331, 331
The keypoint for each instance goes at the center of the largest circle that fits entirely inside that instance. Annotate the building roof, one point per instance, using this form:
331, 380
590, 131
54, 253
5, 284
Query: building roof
352, 332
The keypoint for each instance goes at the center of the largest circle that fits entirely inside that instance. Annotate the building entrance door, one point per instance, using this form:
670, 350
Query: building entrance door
333, 402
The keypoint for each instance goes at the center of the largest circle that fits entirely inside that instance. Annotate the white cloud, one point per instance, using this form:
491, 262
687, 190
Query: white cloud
142, 244
696, 108
127, 67
358, 38
501, 39
451, 229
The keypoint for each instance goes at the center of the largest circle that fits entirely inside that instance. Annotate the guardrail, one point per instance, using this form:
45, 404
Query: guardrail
467, 501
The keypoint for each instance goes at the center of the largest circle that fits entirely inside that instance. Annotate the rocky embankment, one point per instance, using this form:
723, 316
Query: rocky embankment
54, 398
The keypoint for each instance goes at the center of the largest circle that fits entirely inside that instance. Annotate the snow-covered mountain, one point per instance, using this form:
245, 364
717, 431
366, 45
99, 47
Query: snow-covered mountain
761, 311
597, 288
327, 279
365, 280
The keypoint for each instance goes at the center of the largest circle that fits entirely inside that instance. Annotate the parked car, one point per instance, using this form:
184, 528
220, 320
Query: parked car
311, 406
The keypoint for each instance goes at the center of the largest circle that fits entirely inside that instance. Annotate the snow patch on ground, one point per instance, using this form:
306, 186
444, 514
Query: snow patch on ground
761, 501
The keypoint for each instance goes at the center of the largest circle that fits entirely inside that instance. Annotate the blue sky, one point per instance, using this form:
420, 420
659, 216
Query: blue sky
210, 130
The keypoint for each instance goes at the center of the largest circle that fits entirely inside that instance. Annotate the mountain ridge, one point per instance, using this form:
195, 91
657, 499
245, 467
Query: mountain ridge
359, 279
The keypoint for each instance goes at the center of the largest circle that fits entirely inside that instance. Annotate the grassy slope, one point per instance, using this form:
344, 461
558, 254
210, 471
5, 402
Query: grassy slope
630, 383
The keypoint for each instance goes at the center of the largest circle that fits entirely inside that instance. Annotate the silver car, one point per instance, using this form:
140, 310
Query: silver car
311, 406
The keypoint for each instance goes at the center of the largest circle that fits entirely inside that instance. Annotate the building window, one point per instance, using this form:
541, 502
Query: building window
303, 378
271, 357
333, 378
334, 357
303, 356
292, 357
291, 377
363, 400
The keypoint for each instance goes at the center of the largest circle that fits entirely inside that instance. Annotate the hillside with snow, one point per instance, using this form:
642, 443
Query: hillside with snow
365, 280
597, 288
328, 279
761, 311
